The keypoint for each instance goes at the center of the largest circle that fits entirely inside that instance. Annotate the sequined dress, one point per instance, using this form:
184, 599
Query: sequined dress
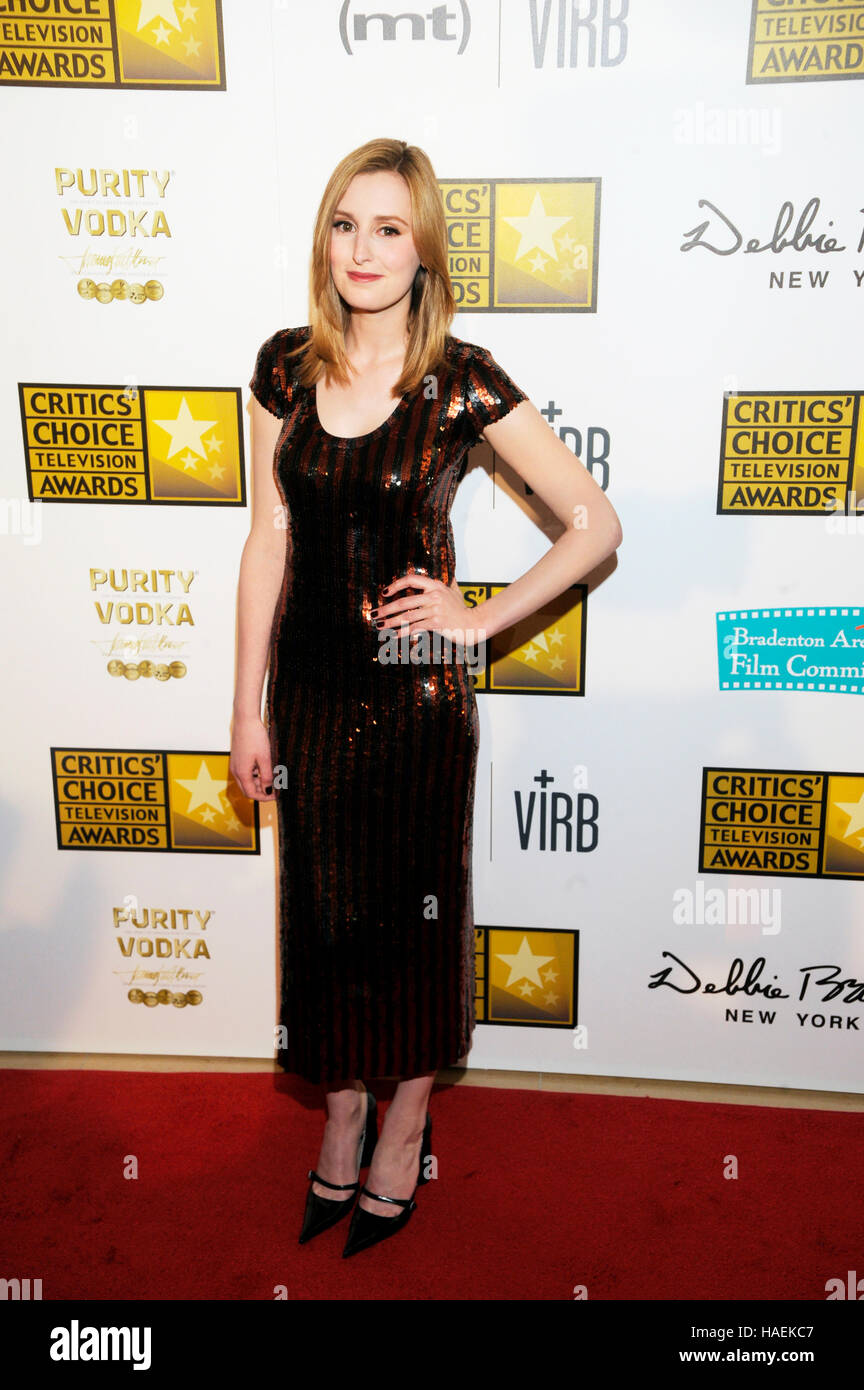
378, 757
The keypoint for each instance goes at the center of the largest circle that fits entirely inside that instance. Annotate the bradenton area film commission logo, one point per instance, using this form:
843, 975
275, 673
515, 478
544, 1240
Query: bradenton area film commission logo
794, 453
525, 977
123, 444
523, 244
146, 799
114, 43
542, 655
818, 649
806, 40
793, 824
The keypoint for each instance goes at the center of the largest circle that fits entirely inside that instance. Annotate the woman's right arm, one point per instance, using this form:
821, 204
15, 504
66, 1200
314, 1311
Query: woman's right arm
262, 567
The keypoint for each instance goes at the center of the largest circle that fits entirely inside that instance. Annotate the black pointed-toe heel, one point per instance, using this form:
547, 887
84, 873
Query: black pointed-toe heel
367, 1227
323, 1212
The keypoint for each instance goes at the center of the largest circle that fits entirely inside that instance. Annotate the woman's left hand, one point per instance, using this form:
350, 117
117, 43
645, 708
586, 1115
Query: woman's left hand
439, 607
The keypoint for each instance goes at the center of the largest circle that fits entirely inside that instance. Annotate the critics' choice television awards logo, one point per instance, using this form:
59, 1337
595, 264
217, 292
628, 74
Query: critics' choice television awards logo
169, 44
526, 977
523, 244
542, 655
146, 444
794, 453
806, 40
792, 649
793, 824
134, 799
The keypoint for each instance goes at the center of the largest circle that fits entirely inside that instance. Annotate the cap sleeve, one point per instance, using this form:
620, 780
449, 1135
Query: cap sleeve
270, 383
490, 393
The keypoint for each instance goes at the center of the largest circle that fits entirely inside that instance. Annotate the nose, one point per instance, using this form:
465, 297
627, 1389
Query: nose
361, 250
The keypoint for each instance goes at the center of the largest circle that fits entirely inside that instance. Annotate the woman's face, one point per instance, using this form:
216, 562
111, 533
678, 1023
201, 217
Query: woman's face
373, 259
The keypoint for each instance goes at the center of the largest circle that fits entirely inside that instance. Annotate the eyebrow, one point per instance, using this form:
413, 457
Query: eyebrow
379, 218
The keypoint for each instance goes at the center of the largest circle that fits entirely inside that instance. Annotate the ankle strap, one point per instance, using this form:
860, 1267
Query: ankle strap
336, 1186
378, 1197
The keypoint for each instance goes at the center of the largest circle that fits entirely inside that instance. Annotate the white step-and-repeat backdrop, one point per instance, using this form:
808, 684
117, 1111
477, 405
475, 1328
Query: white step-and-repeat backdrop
656, 226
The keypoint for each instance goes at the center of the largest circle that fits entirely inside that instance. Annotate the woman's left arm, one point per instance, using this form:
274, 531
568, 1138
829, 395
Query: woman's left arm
525, 441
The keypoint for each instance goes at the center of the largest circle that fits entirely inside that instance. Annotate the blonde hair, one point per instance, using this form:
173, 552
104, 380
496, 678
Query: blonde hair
432, 300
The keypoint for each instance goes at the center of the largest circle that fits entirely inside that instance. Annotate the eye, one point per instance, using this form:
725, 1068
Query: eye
343, 222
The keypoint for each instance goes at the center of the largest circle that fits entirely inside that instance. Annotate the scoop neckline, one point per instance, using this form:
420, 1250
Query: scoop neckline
354, 438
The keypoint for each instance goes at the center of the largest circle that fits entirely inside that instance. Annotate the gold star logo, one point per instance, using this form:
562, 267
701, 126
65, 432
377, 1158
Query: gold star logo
524, 965
204, 790
537, 229
185, 432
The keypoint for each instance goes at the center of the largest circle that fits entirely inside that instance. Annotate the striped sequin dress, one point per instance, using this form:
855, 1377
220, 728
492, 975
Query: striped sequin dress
377, 757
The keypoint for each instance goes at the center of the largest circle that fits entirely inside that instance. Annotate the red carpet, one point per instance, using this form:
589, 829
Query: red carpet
536, 1192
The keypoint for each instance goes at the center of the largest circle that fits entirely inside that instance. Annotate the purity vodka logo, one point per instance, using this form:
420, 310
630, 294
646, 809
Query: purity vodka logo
559, 34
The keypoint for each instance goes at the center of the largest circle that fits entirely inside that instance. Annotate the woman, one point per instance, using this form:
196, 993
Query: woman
361, 425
